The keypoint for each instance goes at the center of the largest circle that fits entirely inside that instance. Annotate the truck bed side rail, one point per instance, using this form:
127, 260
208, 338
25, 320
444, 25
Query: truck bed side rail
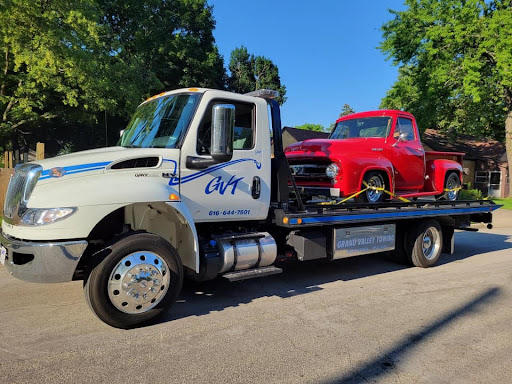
478, 211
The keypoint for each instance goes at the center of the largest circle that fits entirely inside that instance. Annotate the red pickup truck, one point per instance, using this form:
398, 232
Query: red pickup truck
377, 148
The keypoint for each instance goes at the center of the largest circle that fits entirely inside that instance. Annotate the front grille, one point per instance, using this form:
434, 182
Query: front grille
20, 188
141, 162
316, 171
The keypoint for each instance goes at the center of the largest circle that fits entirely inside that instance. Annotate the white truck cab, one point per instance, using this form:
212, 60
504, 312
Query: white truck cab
162, 179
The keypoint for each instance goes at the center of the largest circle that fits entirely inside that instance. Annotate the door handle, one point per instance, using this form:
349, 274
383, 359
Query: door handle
256, 187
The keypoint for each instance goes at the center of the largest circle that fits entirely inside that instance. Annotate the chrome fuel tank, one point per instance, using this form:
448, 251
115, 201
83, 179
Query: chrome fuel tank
258, 250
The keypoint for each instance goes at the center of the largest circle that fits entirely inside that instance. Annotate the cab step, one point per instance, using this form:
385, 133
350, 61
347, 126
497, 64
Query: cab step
252, 273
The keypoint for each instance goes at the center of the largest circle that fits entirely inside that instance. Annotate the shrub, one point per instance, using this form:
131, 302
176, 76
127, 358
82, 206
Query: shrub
471, 194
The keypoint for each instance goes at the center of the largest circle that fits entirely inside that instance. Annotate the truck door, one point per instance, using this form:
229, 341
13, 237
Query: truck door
233, 190
408, 156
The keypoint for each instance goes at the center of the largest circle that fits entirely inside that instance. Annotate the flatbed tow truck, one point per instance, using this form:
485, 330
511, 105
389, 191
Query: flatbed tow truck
193, 190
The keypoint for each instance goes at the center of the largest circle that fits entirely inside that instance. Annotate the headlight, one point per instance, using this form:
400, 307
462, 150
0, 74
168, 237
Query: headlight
332, 171
42, 216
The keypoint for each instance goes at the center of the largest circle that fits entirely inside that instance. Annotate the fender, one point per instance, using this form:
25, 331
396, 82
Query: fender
437, 170
170, 220
389, 171
354, 169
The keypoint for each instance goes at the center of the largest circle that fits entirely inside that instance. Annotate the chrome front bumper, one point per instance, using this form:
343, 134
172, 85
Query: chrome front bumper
42, 262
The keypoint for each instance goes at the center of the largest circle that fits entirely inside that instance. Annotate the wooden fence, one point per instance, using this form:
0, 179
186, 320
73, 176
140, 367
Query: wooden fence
5, 175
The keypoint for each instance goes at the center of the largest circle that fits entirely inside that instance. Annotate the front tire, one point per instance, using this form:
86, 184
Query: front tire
372, 179
137, 282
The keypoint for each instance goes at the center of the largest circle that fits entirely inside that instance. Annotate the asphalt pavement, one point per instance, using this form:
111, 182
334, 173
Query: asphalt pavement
359, 320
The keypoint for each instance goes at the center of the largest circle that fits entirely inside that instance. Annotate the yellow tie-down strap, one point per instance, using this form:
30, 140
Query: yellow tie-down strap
367, 187
446, 190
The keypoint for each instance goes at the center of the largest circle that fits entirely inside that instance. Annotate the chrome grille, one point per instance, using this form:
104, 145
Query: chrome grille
20, 188
309, 170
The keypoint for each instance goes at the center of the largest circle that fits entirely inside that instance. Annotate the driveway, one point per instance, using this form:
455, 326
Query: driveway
358, 320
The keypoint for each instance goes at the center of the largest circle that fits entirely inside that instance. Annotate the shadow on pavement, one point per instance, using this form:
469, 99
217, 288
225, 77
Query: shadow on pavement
385, 363
468, 244
303, 278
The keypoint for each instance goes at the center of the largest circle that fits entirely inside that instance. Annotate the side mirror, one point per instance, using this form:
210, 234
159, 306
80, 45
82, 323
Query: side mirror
223, 123
399, 137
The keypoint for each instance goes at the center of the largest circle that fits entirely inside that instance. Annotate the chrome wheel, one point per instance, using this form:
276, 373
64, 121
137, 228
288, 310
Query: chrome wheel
138, 282
372, 195
431, 243
452, 183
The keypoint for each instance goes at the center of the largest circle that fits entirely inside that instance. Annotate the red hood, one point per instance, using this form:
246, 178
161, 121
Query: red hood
332, 148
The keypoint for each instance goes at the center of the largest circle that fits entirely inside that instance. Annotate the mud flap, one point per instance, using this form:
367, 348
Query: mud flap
448, 240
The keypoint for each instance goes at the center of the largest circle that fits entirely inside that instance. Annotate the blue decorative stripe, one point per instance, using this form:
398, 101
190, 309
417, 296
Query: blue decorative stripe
176, 180
172, 161
76, 169
389, 215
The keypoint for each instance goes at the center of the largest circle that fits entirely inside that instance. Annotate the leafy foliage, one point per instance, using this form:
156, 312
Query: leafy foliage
312, 127
53, 63
455, 59
470, 194
250, 73
73, 71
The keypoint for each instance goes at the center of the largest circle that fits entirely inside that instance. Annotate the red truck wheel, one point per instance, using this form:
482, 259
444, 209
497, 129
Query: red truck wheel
452, 183
372, 179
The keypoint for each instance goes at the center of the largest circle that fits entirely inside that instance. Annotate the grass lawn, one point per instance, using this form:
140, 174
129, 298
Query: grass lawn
507, 203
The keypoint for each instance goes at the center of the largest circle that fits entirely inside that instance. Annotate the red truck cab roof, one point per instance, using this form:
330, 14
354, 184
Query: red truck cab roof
379, 112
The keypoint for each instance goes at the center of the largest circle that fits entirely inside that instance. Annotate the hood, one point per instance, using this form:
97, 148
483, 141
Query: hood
331, 147
97, 161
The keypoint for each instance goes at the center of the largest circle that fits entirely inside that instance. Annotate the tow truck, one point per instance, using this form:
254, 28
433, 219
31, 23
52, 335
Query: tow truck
193, 190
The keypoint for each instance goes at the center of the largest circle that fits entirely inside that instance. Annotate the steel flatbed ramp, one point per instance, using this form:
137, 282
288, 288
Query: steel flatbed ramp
316, 215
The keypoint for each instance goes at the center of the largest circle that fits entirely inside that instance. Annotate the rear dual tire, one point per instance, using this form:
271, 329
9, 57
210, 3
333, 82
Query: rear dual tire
424, 243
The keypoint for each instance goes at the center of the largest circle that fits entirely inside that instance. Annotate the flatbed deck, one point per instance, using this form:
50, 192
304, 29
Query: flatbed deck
316, 214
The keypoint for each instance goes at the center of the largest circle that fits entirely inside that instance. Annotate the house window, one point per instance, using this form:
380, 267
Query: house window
481, 177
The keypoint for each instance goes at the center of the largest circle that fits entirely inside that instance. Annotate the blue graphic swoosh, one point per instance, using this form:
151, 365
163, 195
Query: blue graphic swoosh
176, 180
76, 169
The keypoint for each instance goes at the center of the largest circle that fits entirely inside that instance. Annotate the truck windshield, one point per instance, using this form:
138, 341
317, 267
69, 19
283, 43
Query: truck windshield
362, 127
160, 123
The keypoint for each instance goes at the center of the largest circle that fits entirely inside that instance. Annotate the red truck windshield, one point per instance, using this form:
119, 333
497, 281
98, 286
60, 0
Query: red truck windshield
362, 127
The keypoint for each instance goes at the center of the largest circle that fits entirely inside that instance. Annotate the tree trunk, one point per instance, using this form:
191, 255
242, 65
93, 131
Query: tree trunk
508, 145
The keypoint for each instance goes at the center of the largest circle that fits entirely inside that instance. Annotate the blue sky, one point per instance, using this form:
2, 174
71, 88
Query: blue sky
325, 51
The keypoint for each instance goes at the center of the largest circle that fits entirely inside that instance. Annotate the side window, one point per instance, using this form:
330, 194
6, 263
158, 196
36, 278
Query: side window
243, 135
405, 126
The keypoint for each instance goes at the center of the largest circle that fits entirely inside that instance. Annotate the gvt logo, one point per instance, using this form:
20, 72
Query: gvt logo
217, 184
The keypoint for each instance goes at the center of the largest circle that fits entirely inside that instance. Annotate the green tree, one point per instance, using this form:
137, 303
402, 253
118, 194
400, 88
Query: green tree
170, 41
250, 73
455, 59
311, 127
346, 110
54, 63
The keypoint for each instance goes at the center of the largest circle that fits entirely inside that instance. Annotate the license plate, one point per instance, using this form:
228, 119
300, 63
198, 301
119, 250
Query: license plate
3, 254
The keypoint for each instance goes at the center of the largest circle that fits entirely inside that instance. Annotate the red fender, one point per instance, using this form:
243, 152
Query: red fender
436, 174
